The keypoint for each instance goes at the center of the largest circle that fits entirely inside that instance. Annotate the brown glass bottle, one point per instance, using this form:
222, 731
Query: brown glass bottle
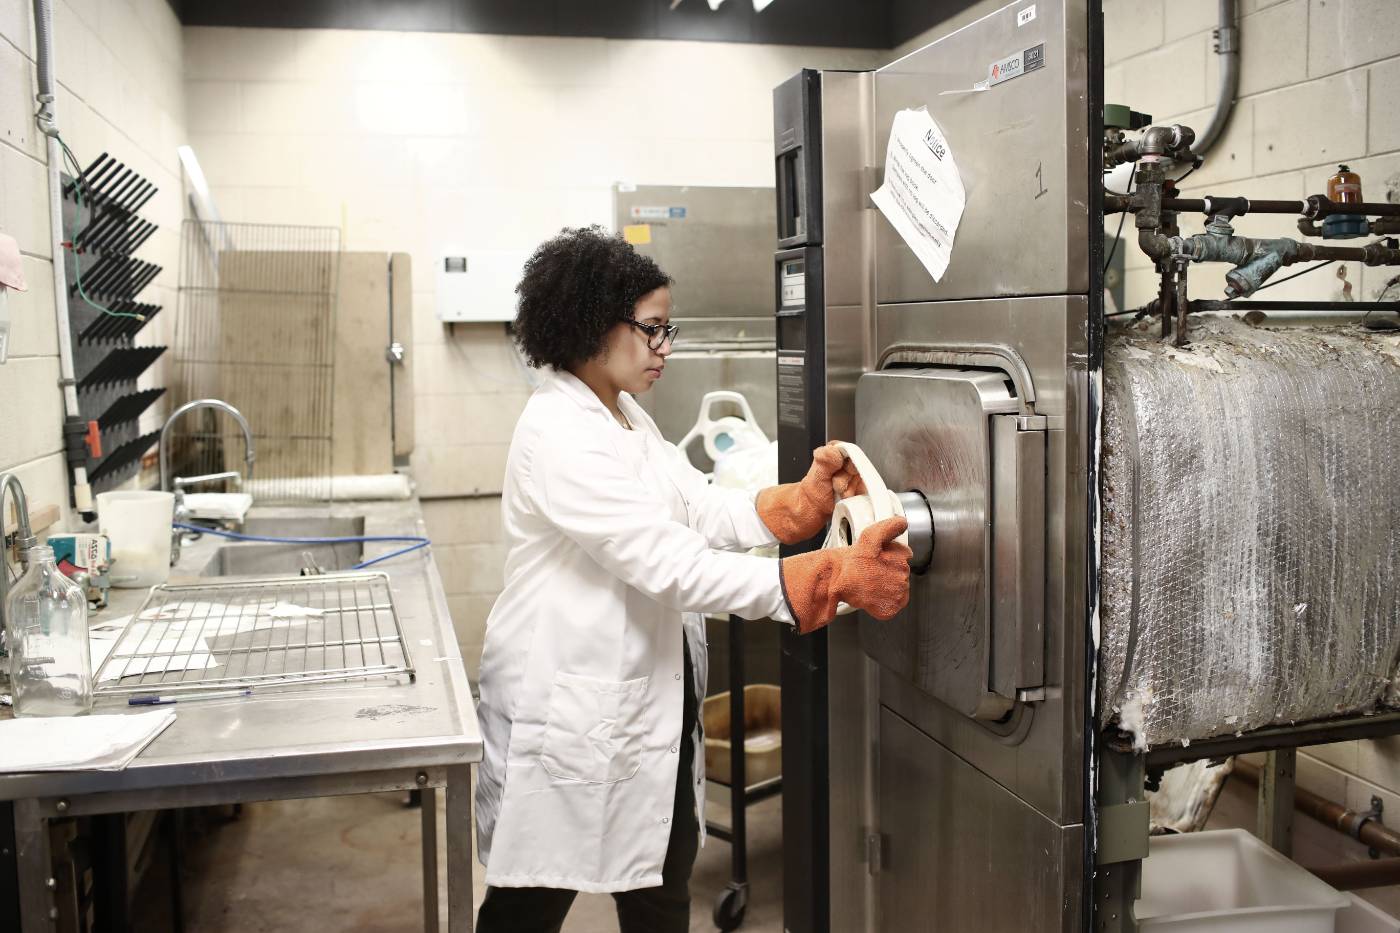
1344, 187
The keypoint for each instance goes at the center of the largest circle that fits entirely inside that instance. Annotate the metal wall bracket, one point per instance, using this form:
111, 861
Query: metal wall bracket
1375, 814
1123, 832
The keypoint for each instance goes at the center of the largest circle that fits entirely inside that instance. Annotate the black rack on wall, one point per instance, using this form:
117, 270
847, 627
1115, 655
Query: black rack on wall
104, 230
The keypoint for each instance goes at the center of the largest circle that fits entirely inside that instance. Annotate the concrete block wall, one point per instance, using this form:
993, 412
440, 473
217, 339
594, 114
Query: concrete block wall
1319, 82
119, 70
425, 142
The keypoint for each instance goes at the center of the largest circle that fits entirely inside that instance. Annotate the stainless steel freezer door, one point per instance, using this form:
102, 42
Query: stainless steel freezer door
960, 852
1021, 147
973, 633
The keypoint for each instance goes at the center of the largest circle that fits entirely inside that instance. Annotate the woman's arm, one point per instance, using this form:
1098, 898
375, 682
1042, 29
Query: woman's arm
726, 518
581, 486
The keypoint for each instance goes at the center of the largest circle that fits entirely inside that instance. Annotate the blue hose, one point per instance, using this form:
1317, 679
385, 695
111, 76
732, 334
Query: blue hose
417, 541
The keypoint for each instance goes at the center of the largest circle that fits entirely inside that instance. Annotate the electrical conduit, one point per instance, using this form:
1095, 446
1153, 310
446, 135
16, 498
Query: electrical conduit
1227, 46
48, 125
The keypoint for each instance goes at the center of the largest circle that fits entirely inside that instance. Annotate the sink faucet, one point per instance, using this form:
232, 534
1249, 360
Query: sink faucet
177, 484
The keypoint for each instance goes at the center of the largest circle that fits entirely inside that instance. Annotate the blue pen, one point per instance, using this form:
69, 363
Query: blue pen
159, 700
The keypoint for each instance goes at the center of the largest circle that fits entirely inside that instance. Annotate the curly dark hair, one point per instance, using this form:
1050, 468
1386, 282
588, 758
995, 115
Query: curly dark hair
573, 289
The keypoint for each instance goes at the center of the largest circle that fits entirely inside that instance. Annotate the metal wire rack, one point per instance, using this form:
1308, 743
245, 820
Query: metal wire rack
249, 633
255, 326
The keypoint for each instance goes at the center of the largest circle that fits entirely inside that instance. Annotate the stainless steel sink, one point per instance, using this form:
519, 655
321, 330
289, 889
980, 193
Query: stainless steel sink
318, 526
261, 558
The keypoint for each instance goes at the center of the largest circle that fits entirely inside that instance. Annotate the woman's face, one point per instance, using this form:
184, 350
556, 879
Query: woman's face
627, 360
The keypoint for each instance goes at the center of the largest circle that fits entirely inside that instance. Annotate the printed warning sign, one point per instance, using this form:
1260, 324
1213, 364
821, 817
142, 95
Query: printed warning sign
923, 195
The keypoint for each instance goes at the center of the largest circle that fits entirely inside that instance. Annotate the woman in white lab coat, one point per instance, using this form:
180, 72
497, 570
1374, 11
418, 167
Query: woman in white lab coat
591, 779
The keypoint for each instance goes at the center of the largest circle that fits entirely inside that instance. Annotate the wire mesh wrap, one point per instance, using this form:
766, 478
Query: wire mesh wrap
255, 327
1251, 529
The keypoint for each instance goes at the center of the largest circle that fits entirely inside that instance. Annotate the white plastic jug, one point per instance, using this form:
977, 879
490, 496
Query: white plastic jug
138, 524
726, 434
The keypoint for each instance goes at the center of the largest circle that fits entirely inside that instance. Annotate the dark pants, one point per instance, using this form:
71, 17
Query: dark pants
664, 909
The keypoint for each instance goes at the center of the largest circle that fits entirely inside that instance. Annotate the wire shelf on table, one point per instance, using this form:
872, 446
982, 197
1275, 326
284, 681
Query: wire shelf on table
258, 632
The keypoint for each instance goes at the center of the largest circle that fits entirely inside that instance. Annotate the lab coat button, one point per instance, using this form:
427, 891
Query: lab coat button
678, 676
665, 819
673, 749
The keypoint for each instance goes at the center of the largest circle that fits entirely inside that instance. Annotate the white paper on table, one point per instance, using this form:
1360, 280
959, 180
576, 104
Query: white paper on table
215, 619
922, 196
68, 743
171, 651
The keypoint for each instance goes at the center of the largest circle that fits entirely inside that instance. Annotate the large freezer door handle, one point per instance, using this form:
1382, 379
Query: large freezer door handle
1018, 557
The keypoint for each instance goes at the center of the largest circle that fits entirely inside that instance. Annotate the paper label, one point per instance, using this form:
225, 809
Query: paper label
637, 234
1025, 16
923, 195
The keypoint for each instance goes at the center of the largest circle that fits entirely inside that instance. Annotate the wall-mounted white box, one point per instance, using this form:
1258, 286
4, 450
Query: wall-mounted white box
478, 285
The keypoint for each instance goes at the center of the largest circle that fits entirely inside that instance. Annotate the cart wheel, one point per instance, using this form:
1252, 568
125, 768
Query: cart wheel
729, 909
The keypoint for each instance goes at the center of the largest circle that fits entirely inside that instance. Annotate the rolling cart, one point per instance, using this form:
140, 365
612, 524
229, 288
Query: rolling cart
731, 905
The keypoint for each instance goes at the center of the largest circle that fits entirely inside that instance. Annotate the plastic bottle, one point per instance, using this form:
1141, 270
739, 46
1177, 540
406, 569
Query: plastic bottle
50, 663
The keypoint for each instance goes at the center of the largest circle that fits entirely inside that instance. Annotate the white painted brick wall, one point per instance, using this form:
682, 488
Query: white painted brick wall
1319, 82
120, 73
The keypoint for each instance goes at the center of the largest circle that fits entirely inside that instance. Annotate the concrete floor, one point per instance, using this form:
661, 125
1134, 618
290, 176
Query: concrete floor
353, 864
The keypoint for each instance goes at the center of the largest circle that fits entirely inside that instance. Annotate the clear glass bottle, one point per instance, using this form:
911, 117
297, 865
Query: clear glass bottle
50, 663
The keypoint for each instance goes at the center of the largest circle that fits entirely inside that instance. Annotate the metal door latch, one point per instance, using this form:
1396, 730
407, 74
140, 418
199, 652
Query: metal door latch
394, 353
874, 852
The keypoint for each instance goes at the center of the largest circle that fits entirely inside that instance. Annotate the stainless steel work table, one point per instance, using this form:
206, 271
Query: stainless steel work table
316, 740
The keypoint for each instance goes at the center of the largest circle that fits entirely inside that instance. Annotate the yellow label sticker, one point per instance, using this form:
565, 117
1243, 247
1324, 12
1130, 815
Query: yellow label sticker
637, 234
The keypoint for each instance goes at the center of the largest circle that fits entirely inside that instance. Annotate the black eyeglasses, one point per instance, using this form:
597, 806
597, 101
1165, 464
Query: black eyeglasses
657, 334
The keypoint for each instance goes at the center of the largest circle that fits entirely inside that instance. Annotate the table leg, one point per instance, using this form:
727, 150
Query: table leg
428, 802
459, 849
36, 907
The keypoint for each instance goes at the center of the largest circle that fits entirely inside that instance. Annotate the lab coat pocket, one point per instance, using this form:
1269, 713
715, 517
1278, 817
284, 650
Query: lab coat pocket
596, 728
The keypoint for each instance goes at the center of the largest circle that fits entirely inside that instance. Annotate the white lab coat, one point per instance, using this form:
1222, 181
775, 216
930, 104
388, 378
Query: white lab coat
614, 538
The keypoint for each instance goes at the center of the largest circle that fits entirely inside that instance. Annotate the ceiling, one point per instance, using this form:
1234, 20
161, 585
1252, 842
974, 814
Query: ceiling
881, 24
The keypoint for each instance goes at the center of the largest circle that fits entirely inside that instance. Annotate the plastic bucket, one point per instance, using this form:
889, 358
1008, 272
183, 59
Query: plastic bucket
138, 524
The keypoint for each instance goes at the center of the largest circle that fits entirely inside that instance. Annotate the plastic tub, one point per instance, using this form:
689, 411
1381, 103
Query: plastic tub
1227, 881
138, 524
1363, 917
763, 735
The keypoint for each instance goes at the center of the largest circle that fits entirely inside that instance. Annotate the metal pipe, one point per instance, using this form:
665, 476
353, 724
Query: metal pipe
1182, 305
1360, 826
1227, 46
1351, 876
48, 125
1319, 308
1314, 206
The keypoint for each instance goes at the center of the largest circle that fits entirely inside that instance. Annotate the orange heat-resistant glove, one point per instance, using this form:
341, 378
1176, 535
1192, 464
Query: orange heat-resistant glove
795, 512
872, 574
